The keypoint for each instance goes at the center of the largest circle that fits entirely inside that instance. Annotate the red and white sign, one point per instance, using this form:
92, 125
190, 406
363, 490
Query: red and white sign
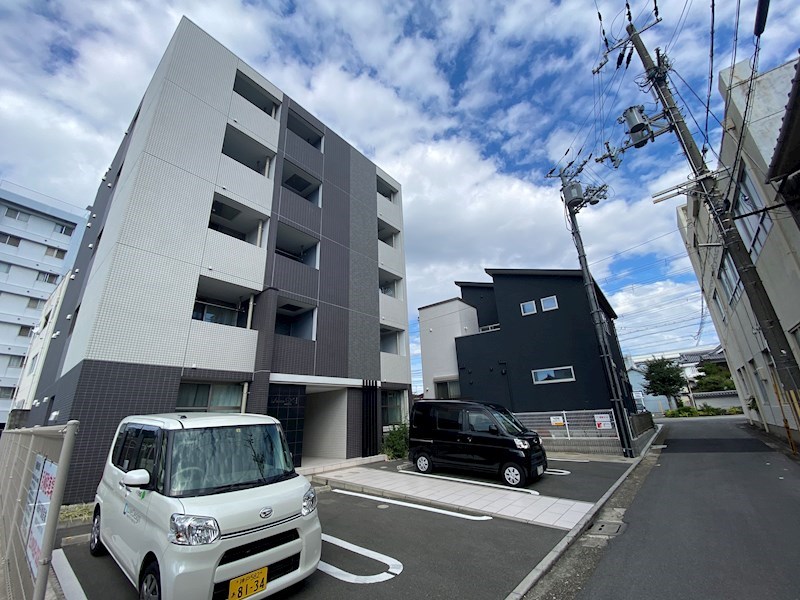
43, 481
602, 421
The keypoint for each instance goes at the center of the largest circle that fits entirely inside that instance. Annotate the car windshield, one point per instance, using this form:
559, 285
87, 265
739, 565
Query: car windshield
221, 459
509, 423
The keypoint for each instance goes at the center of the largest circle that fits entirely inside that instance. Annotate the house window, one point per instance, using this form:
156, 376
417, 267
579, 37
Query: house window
4, 267
47, 277
528, 308
391, 407
55, 252
216, 312
6, 393
210, 397
753, 228
555, 375
718, 305
729, 278
25, 331
15, 362
549, 303
13, 213
445, 390
36, 303
11, 240
64, 229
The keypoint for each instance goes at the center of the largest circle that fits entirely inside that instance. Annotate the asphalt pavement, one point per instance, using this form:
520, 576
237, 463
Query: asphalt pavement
716, 518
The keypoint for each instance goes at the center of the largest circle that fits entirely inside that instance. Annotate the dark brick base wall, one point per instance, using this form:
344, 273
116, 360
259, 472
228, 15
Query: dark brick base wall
287, 403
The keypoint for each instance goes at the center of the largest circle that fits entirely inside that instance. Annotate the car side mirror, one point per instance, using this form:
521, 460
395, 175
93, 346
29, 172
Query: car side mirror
136, 478
493, 429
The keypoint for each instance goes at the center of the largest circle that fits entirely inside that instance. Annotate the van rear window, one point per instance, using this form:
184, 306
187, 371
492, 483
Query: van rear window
448, 418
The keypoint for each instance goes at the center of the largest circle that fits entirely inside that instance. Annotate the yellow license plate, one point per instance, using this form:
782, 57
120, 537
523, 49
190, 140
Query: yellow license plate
248, 584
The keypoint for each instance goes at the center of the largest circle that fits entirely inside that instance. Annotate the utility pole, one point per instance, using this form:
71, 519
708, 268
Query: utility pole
574, 200
763, 310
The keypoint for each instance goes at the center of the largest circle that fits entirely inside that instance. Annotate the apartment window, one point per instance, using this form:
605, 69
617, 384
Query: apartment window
210, 396
36, 303
729, 278
13, 213
719, 307
753, 228
385, 191
32, 363
527, 308
10, 240
4, 267
446, 390
555, 375
549, 303
6, 393
391, 407
55, 252
218, 311
246, 151
47, 277
64, 229
25, 331
15, 362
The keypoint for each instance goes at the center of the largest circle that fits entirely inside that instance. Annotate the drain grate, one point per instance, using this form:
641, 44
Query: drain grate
607, 528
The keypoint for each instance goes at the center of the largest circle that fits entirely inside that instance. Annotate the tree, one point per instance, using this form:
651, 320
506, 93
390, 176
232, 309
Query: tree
663, 378
715, 378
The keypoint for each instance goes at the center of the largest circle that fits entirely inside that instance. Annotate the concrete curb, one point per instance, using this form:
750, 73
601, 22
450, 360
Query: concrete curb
548, 561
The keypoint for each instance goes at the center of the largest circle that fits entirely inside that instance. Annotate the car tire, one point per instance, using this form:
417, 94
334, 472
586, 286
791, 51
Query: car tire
150, 584
96, 547
513, 475
423, 463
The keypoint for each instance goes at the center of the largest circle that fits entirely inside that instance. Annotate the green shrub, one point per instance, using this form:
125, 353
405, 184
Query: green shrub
735, 410
708, 410
395, 443
682, 411
671, 413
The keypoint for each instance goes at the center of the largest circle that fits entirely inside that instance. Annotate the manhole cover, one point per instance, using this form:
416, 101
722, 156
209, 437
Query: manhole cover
607, 528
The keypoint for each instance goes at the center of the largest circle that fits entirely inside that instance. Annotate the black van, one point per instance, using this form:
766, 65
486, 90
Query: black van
475, 436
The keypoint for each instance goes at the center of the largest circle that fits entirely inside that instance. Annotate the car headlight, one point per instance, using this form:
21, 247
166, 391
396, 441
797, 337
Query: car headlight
191, 530
309, 502
522, 444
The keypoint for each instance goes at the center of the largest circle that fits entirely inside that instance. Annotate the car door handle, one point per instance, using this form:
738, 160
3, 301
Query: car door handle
122, 485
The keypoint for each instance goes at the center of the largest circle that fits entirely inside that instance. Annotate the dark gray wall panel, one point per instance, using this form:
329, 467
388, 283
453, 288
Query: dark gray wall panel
302, 113
363, 206
295, 277
334, 273
336, 215
337, 163
332, 341
293, 355
363, 179
303, 154
296, 210
364, 284
353, 423
364, 350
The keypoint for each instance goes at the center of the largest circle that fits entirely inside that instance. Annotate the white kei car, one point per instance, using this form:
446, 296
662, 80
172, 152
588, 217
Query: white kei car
205, 506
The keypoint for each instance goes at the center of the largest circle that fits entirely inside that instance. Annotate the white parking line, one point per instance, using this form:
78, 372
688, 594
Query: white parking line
395, 566
582, 460
66, 577
557, 472
417, 506
472, 481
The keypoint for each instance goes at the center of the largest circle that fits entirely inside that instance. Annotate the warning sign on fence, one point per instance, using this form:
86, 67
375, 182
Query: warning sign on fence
602, 421
40, 491
557, 421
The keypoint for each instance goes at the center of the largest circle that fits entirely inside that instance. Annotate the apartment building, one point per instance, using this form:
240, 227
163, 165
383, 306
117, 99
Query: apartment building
525, 341
240, 256
39, 238
765, 222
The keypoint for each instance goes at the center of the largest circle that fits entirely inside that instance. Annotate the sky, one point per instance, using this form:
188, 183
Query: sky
471, 105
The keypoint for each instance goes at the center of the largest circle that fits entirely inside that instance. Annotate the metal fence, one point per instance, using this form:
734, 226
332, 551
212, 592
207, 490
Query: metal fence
572, 424
34, 464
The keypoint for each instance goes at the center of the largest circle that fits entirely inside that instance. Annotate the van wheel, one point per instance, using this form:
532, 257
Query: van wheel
96, 547
150, 587
423, 463
513, 475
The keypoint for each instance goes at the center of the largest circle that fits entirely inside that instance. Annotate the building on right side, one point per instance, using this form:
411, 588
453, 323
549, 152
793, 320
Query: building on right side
764, 218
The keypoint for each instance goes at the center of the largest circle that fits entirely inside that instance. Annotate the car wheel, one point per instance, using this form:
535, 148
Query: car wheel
423, 462
96, 547
150, 586
513, 475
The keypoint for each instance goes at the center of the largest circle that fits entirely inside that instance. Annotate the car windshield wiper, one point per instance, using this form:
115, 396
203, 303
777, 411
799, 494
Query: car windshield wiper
281, 477
229, 487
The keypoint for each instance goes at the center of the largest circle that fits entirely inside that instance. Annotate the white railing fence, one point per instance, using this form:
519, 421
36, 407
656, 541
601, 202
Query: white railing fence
572, 424
34, 464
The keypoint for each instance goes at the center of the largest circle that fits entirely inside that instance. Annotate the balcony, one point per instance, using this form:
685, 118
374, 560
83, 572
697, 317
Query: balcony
299, 210
390, 259
220, 347
393, 311
395, 368
255, 121
242, 181
303, 153
234, 260
293, 276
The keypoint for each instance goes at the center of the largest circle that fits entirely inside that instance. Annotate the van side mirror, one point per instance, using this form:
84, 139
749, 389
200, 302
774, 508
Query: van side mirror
136, 478
493, 429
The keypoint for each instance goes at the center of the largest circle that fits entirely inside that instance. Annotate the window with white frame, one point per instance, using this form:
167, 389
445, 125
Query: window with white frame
13, 213
47, 277
554, 375
10, 240
36, 303
446, 390
549, 303
15, 362
6, 393
718, 305
224, 397
25, 331
64, 229
527, 308
753, 228
55, 252
729, 278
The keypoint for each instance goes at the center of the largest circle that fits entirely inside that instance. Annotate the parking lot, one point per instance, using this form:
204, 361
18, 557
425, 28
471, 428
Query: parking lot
378, 543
